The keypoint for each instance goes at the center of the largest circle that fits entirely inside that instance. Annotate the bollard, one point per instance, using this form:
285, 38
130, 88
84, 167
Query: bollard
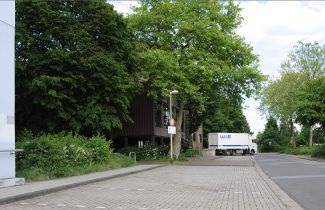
134, 156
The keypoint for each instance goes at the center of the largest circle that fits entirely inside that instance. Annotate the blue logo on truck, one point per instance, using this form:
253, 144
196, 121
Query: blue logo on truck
225, 136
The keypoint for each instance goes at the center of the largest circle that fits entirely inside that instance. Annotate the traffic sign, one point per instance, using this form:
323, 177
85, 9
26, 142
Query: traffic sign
171, 130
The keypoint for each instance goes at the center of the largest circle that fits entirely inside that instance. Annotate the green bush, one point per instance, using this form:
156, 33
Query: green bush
319, 151
301, 150
58, 155
190, 153
147, 152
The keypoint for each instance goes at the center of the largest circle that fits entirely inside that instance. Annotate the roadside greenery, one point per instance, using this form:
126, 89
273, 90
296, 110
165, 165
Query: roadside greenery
297, 96
147, 152
74, 67
193, 47
316, 151
160, 153
277, 139
49, 156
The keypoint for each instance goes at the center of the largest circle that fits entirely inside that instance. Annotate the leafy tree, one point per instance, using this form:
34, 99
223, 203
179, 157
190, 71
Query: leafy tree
269, 140
311, 106
279, 98
192, 46
285, 133
309, 59
73, 66
226, 117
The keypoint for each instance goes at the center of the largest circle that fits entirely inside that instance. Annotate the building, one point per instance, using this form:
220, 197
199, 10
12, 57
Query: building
150, 121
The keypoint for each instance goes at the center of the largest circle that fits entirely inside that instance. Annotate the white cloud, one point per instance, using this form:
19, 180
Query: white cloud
273, 28
124, 7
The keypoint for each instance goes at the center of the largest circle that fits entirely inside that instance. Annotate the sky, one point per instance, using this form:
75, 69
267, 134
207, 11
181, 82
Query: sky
272, 28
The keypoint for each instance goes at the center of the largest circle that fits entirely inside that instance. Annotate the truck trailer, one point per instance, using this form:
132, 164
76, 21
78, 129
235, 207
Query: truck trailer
232, 143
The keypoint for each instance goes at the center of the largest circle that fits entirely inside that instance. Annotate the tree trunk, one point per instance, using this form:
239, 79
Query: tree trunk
311, 136
293, 140
177, 139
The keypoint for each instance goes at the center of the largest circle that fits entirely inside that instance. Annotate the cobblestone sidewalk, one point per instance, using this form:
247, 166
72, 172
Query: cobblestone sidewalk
175, 187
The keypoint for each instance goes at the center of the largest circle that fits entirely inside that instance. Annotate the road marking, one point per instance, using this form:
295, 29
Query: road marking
282, 163
221, 192
23, 203
100, 207
164, 209
42, 204
297, 177
267, 160
80, 206
237, 192
60, 204
141, 189
143, 208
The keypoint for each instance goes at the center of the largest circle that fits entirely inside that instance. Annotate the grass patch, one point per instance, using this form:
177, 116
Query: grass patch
316, 151
115, 160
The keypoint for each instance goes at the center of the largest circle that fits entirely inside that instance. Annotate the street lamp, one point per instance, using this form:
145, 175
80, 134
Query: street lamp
170, 119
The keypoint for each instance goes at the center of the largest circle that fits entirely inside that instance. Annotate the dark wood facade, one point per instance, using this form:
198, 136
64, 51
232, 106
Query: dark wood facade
149, 125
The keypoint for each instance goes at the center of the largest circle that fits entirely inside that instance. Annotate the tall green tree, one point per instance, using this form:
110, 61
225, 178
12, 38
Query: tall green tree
309, 59
192, 46
225, 116
279, 98
311, 103
269, 139
73, 66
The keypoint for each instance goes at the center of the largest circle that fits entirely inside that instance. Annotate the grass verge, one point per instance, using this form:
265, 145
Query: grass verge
115, 160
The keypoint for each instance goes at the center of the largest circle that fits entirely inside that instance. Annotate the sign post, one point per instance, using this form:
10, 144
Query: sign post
171, 121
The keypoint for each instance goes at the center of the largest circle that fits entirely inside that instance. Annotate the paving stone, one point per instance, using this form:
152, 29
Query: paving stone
174, 187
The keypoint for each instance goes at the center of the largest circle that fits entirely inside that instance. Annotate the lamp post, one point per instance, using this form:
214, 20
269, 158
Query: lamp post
170, 118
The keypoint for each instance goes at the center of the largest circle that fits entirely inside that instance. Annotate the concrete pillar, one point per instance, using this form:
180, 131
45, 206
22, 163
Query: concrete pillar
7, 95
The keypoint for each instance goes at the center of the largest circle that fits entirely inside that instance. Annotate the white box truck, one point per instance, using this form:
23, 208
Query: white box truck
232, 143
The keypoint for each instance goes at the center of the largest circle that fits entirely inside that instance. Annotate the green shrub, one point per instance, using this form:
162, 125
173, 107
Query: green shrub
58, 155
319, 151
190, 153
301, 150
147, 152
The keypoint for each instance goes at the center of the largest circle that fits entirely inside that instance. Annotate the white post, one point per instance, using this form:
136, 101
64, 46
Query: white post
170, 117
7, 95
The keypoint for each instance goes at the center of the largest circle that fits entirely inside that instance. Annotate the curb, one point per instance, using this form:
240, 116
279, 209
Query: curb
283, 197
36, 193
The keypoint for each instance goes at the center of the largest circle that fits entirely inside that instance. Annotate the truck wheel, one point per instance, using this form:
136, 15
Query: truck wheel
252, 152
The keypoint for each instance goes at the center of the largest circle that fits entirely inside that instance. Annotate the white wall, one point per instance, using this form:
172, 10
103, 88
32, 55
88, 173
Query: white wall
7, 88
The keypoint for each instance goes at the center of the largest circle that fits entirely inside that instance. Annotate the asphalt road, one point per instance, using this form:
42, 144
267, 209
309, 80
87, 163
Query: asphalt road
303, 180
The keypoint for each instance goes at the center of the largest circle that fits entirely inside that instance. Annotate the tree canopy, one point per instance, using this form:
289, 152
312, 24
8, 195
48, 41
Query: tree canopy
73, 66
311, 103
287, 98
192, 46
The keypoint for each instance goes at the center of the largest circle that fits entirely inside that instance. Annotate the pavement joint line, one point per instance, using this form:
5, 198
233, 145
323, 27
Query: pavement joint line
286, 200
24, 196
